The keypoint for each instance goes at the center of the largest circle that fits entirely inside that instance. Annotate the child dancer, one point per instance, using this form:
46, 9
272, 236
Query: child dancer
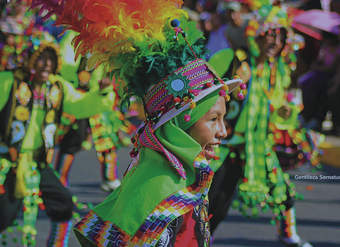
162, 199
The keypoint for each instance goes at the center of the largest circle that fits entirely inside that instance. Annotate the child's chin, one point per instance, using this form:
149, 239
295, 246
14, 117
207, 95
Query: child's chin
209, 154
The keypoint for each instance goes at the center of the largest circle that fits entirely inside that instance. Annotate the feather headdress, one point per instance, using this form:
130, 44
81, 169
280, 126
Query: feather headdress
141, 41
126, 35
110, 28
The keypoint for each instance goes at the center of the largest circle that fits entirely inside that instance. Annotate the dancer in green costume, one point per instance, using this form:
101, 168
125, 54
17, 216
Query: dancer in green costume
33, 98
250, 148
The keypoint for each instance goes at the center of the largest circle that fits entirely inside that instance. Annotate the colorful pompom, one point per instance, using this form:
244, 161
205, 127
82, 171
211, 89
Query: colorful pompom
177, 100
225, 87
222, 93
240, 96
192, 105
227, 98
187, 118
175, 23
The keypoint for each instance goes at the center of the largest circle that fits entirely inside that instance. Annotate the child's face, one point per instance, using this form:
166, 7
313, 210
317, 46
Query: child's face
210, 129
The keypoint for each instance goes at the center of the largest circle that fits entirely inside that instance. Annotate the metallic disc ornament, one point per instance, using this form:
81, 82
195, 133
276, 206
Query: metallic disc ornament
177, 85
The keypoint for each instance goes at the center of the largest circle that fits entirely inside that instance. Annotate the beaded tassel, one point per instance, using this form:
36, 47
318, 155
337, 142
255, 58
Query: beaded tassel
108, 163
59, 235
63, 165
286, 226
5, 166
31, 201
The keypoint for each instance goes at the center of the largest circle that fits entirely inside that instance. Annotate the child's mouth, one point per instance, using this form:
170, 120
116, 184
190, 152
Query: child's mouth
209, 151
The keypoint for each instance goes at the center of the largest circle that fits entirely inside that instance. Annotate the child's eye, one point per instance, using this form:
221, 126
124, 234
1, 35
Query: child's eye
214, 119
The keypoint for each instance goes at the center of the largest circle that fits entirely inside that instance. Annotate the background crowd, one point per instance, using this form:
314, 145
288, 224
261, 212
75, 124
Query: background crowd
224, 24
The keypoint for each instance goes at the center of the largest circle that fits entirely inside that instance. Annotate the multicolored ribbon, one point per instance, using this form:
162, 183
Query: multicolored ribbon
148, 139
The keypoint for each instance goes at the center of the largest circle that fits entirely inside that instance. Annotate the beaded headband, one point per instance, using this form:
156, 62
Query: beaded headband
182, 89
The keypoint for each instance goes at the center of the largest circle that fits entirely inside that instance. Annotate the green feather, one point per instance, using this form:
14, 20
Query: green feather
153, 61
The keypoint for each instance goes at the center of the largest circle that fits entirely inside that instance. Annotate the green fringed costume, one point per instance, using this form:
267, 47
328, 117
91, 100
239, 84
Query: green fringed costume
251, 165
27, 140
264, 180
